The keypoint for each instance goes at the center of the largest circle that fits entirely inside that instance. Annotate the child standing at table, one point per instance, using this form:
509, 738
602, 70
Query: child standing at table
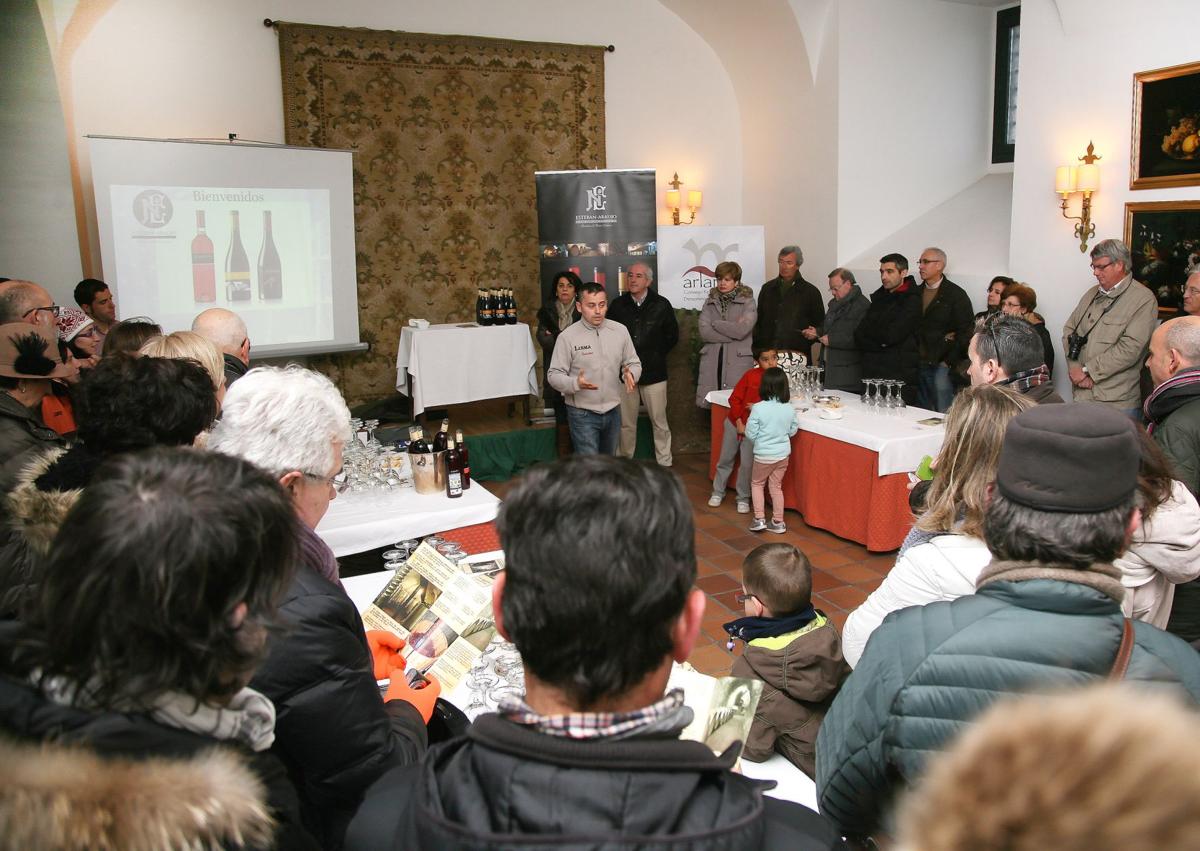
794, 649
771, 426
733, 442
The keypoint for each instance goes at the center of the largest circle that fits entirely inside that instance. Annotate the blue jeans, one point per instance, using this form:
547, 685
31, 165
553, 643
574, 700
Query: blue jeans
592, 433
935, 390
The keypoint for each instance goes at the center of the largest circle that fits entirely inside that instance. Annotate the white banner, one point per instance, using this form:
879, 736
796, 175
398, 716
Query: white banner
687, 257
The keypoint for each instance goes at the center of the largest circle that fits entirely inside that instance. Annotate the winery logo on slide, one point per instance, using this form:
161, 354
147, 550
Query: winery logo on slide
152, 208
596, 199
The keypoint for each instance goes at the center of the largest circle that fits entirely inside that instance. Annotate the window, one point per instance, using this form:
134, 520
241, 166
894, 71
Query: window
1004, 99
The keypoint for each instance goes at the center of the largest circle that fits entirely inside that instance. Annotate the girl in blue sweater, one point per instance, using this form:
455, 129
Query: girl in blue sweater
771, 426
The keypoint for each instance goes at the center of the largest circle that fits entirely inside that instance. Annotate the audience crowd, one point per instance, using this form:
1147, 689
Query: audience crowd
183, 667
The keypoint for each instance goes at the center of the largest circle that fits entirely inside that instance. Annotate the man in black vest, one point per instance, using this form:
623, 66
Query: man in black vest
786, 306
945, 330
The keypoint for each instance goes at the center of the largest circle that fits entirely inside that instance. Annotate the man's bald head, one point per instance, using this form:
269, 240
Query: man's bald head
226, 329
19, 298
1174, 345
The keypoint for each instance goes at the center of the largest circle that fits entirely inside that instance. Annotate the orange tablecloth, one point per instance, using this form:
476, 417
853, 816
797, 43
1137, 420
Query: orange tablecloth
834, 486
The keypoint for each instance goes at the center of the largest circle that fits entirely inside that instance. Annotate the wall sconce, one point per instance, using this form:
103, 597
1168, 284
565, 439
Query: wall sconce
693, 201
1084, 178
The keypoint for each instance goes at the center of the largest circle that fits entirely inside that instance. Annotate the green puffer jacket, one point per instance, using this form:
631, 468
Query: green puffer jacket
928, 670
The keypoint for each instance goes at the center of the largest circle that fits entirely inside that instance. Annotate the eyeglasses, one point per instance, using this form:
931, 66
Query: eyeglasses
924, 262
1096, 267
742, 598
54, 309
1192, 291
337, 481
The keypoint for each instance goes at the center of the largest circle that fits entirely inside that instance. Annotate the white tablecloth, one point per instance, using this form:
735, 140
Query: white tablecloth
450, 364
356, 523
895, 435
794, 784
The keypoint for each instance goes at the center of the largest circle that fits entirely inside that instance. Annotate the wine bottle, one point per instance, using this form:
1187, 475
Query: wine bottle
621, 280
270, 271
454, 471
237, 266
204, 273
465, 454
443, 435
494, 304
481, 314
416, 441
512, 308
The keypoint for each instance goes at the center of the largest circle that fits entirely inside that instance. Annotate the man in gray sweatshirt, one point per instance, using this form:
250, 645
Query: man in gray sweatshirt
594, 362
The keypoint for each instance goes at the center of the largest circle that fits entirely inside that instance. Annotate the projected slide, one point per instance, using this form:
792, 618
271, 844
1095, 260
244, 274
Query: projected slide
263, 253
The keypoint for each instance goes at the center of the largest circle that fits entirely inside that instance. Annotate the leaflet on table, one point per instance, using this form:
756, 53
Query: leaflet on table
723, 707
443, 611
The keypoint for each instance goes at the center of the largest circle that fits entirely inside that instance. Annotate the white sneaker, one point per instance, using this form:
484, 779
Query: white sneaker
714, 500
776, 526
759, 525
743, 506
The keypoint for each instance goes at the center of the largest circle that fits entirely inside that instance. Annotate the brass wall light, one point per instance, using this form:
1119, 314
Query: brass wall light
1084, 179
693, 201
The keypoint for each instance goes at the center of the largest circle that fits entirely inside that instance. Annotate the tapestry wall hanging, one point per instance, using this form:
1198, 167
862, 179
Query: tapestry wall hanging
447, 133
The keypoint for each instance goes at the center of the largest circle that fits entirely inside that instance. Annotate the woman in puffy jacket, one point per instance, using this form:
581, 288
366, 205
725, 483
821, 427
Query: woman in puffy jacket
726, 328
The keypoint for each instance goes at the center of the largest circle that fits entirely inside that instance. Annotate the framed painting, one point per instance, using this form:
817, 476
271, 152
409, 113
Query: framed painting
1165, 150
1164, 237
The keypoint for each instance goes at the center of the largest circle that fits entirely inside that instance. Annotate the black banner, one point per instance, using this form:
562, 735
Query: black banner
596, 224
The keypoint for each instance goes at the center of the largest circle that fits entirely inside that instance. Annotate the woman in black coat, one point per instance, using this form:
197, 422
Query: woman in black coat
555, 316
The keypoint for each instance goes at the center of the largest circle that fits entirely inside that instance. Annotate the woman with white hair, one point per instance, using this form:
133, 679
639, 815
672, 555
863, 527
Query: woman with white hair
334, 732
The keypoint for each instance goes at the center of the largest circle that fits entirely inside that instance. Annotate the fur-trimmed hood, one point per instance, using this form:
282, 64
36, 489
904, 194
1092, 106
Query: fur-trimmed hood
66, 797
741, 291
35, 514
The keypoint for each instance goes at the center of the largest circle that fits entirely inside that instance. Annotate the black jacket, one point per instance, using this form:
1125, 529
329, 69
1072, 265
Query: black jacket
887, 335
653, 329
70, 769
950, 311
783, 314
234, 369
332, 730
505, 786
547, 336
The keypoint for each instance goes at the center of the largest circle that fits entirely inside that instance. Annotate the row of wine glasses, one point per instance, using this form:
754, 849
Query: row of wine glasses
368, 466
882, 393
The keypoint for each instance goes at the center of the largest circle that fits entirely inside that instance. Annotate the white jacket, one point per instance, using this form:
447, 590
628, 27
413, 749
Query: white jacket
1164, 552
944, 568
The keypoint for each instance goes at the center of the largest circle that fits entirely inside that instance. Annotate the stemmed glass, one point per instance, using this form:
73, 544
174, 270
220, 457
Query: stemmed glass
898, 402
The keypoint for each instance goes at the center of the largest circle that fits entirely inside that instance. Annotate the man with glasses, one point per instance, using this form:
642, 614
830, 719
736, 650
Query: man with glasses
840, 355
946, 321
1108, 334
1191, 294
25, 301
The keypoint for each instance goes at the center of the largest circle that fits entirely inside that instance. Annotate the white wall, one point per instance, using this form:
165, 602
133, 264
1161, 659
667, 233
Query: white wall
914, 108
203, 70
1078, 58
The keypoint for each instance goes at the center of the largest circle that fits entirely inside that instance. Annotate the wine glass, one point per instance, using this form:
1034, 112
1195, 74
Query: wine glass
900, 404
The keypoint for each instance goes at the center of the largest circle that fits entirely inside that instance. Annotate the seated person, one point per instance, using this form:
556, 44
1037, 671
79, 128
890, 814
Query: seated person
1006, 350
129, 335
126, 403
1046, 614
123, 699
598, 597
794, 649
335, 734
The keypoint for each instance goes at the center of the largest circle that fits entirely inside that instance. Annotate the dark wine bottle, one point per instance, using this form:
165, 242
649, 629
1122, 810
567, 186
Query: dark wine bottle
454, 471
237, 265
481, 312
204, 273
443, 435
465, 454
270, 270
416, 441
494, 305
512, 308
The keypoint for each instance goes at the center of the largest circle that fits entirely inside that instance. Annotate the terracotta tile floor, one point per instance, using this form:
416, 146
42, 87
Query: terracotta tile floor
844, 573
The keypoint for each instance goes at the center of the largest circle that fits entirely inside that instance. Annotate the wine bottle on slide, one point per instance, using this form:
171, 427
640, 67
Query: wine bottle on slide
237, 265
204, 273
270, 271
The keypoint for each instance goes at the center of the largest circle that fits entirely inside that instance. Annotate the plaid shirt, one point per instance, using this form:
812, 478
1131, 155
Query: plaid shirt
590, 725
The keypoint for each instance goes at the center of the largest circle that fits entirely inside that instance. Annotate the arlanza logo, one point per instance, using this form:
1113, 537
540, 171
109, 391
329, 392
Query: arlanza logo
596, 199
152, 208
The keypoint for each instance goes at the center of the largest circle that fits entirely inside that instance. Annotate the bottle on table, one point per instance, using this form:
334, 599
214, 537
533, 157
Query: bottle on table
494, 304
204, 275
454, 471
465, 454
270, 270
237, 265
512, 308
442, 436
483, 316
416, 441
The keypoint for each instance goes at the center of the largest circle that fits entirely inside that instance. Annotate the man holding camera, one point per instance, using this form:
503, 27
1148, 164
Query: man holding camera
1108, 334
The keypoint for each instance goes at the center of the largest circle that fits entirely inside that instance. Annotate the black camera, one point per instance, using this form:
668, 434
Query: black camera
1075, 344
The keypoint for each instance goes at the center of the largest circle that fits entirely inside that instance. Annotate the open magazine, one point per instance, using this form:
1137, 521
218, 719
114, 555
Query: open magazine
723, 706
442, 610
